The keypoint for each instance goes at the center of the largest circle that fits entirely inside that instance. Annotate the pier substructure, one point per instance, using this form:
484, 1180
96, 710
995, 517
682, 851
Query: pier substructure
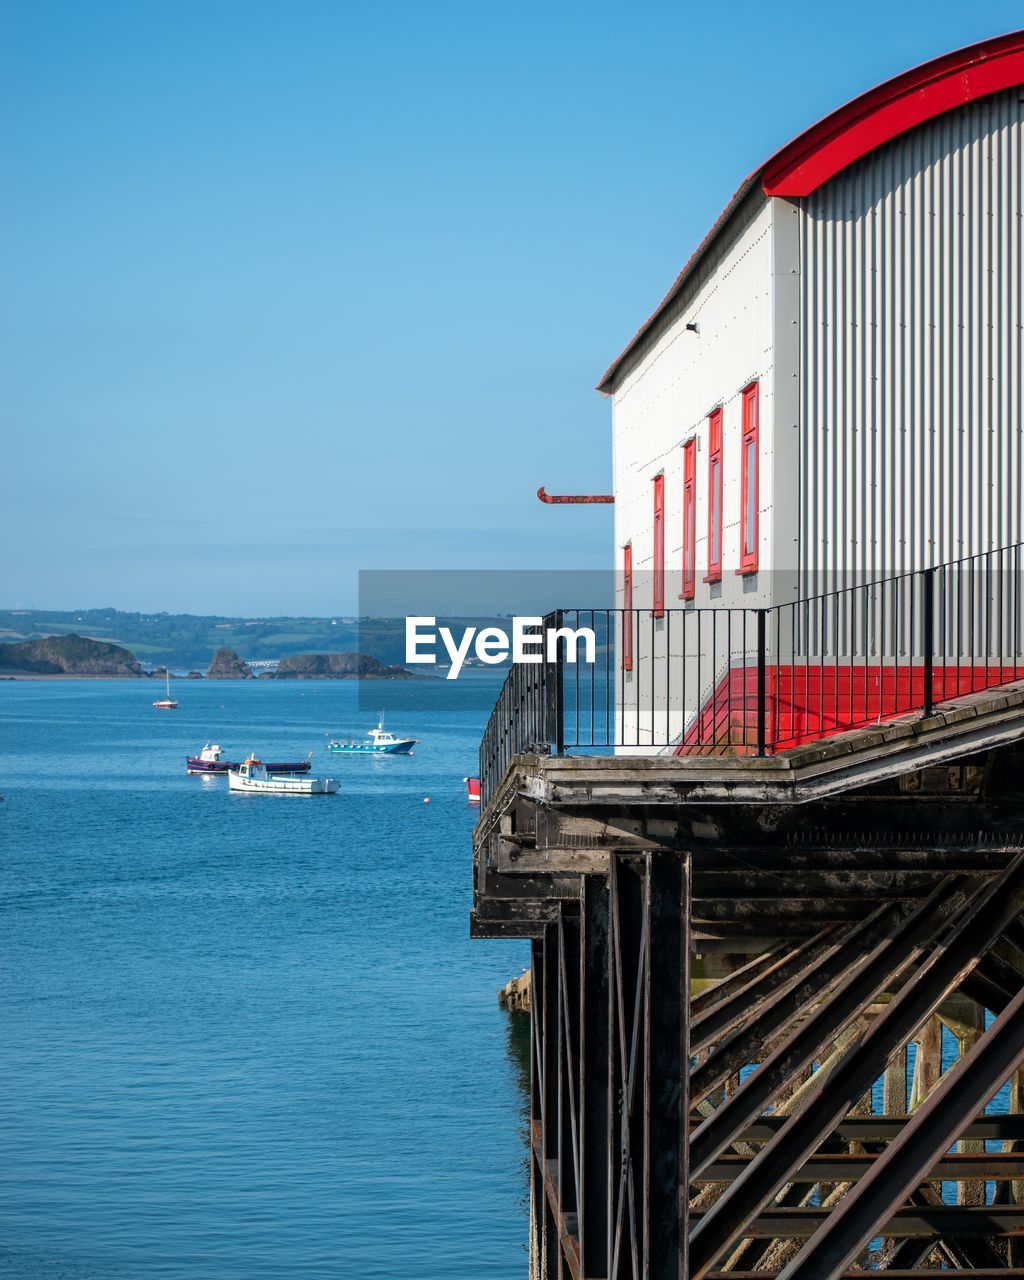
778, 1005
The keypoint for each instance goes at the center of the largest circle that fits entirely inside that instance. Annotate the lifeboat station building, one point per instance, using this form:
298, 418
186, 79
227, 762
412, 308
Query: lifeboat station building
830, 394
768, 846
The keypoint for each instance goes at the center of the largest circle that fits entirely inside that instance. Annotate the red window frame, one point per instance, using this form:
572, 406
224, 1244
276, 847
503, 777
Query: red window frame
627, 607
659, 545
689, 520
749, 480
714, 573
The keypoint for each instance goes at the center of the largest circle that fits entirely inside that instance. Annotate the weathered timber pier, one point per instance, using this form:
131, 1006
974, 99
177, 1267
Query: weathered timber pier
846, 905
768, 840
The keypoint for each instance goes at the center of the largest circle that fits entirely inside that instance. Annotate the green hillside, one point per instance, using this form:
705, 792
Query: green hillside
183, 641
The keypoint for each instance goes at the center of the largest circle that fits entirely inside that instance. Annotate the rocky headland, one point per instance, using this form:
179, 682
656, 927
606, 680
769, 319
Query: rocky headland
78, 656
69, 655
337, 666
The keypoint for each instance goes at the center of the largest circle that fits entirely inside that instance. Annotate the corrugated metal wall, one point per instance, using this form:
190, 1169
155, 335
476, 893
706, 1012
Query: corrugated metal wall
911, 350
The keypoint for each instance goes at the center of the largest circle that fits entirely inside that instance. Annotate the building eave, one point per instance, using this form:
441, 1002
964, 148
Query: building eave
851, 132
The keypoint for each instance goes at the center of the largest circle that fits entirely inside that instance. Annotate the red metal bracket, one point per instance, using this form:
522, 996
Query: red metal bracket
576, 497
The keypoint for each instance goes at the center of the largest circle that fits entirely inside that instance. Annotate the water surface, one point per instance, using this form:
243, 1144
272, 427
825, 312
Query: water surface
247, 1036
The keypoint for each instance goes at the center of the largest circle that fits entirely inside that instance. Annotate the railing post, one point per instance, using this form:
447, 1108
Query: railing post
554, 688
559, 743
928, 636
762, 683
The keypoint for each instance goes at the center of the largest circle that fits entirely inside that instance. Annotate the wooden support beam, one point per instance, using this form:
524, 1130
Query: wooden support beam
649, 951
746, 881
993, 1126
995, 970
771, 1016
980, 923
860, 984
843, 1167
966, 1086
1015, 1190
815, 909
726, 987
966, 1021
568, 943
894, 1085
897, 1273
945, 1220
708, 1023
594, 1048
927, 1061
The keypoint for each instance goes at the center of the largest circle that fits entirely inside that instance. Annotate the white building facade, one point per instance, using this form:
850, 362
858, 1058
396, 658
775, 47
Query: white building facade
830, 393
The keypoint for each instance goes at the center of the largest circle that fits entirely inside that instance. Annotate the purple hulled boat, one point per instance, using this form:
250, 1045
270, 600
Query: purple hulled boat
211, 760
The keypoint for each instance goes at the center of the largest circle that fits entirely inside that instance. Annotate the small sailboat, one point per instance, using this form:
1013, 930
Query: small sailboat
253, 775
378, 742
167, 703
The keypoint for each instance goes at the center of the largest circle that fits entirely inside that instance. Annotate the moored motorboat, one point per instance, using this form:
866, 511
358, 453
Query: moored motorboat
253, 775
211, 760
472, 790
378, 742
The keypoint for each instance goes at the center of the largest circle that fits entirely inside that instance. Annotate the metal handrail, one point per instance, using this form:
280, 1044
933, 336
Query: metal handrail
735, 680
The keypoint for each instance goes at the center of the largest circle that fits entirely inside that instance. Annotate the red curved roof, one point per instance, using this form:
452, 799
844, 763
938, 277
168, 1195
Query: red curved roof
869, 121
881, 114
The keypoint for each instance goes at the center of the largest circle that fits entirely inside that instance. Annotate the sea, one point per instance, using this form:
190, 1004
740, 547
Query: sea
249, 1036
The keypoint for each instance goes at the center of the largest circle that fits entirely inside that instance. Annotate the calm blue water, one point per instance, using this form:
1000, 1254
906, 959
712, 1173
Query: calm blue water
248, 1036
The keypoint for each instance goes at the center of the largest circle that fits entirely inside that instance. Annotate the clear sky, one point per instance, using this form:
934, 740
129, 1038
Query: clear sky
295, 288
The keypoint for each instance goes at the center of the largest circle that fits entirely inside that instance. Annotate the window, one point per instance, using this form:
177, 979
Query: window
659, 545
689, 520
627, 607
715, 497
749, 482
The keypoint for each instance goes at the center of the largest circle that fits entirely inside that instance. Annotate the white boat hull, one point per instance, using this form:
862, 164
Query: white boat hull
280, 784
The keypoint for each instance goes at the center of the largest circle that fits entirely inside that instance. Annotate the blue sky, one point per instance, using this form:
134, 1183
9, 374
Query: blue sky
296, 289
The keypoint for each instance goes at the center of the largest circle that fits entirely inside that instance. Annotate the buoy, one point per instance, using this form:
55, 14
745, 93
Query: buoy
426, 799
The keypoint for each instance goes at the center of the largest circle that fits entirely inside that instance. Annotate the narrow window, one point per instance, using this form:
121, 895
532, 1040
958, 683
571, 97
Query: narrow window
715, 497
689, 520
749, 482
627, 607
659, 545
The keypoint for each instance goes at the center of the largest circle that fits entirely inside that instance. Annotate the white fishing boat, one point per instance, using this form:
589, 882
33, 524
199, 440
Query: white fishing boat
253, 775
378, 742
168, 703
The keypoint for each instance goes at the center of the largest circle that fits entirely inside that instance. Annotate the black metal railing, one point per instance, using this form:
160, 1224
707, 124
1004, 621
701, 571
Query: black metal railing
724, 680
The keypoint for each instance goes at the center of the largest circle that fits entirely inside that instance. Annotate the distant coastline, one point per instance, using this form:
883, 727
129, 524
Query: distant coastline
75, 657
184, 641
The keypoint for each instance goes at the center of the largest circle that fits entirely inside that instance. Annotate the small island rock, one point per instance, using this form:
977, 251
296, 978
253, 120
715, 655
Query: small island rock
337, 666
227, 665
